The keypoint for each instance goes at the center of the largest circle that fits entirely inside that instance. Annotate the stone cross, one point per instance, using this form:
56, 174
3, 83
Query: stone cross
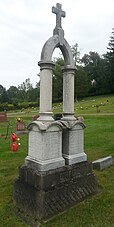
59, 13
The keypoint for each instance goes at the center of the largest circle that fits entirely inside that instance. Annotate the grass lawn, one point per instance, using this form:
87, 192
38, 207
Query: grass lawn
97, 211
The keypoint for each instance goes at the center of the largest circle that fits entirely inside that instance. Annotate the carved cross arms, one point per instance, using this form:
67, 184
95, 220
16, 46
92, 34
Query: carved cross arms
59, 13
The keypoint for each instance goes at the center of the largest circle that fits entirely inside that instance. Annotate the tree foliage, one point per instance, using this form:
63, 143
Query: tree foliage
110, 62
82, 83
23, 93
58, 80
76, 53
94, 66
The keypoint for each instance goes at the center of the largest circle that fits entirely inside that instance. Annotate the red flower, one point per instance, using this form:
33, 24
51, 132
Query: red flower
13, 137
14, 147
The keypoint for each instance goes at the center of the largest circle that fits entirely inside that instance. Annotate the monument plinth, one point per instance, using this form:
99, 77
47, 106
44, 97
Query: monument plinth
45, 146
56, 173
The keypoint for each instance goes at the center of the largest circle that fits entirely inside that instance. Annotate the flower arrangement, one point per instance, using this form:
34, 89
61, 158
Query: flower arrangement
19, 119
14, 145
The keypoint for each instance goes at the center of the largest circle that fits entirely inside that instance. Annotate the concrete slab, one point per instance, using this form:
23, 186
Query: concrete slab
103, 163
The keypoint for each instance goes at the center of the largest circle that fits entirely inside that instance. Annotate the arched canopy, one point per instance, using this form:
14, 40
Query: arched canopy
55, 42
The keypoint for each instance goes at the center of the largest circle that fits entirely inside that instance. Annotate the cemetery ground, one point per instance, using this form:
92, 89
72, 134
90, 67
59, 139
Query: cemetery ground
95, 211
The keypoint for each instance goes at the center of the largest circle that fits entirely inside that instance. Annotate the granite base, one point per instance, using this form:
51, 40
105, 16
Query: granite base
39, 196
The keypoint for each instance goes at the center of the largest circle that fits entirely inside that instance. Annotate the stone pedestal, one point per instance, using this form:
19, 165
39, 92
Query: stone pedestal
40, 195
45, 146
73, 142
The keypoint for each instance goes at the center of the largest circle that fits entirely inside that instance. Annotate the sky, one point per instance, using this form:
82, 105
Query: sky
25, 25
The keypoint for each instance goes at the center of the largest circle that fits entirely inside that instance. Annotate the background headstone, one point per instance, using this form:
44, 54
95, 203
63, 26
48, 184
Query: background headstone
3, 117
35, 117
21, 127
103, 163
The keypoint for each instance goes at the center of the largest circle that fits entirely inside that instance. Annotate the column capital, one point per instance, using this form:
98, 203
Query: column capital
46, 65
69, 69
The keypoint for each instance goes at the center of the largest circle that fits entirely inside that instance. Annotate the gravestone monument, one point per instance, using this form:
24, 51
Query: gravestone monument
3, 116
21, 127
56, 173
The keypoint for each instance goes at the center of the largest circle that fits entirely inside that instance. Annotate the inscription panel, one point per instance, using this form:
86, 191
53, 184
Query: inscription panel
75, 142
44, 146
35, 145
53, 145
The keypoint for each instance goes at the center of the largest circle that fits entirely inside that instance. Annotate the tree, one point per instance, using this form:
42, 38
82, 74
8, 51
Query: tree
25, 90
3, 96
13, 94
76, 57
1, 91
76, 53
110, 62
94, 65
82, 82
58, 80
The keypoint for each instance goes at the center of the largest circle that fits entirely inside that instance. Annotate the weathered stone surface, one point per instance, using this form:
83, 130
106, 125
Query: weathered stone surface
51, 44
46, 66
45, 146
46, 186
68, 93
73, 142
103, 163
46, 90
41, 195
59, 13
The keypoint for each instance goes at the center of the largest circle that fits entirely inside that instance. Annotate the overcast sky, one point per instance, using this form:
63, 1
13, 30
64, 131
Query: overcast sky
25, 25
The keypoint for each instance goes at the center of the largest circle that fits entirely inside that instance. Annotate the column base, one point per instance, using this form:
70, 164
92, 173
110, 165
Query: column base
72, 159
46, 116
45, 165
68, 117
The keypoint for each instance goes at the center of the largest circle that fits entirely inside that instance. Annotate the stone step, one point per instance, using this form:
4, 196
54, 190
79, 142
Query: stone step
103, 163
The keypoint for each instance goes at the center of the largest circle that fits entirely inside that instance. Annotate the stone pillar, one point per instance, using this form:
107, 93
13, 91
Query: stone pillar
68, 93
46, 90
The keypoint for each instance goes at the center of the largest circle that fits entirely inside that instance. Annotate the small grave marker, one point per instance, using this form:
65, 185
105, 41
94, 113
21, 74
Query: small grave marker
103, 163
34, 118
98, 110
3, 117
20, 127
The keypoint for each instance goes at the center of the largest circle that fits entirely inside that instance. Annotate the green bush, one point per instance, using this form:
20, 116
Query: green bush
18, 106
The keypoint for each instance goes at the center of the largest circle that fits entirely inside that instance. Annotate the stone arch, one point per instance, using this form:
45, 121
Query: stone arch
55, 42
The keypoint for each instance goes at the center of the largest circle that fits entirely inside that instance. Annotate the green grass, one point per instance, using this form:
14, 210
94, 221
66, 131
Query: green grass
97, 211
9, 163
88, 105
99, 136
